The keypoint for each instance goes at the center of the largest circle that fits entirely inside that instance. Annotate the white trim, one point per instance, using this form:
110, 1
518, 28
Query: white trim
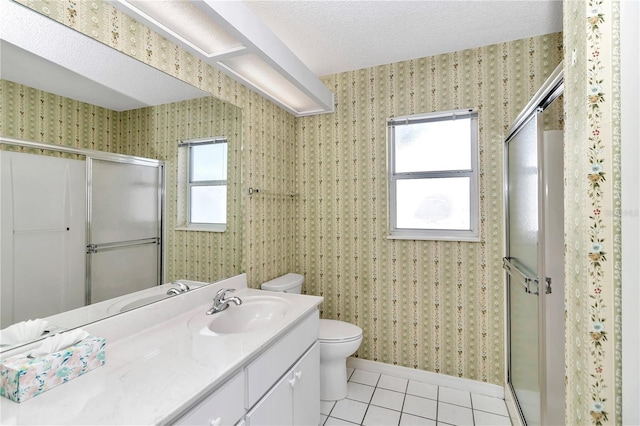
394, 177
473, 386
214, 227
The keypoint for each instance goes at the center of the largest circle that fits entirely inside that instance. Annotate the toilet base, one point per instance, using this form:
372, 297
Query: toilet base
333, 379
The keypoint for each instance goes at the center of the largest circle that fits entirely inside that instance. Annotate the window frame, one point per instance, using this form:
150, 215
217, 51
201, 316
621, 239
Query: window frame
473, 233
190, 183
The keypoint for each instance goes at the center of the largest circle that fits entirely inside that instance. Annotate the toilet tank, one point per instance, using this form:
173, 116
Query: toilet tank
289, 283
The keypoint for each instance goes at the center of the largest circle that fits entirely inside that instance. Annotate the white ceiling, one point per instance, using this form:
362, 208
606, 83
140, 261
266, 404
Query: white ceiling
336, 36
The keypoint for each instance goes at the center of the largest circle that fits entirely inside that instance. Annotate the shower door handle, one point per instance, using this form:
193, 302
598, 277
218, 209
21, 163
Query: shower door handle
530, 284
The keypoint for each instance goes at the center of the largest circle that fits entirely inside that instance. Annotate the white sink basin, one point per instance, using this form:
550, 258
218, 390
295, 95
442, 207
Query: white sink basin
255, 313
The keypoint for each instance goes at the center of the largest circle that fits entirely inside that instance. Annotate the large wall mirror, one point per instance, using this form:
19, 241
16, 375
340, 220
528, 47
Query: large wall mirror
96, 99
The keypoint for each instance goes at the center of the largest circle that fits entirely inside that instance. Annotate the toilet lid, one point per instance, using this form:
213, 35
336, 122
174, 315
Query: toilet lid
333, 330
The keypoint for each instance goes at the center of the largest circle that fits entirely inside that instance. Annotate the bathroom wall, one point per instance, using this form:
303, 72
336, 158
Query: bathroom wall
431, 305
154, 132
592, 212
36, 115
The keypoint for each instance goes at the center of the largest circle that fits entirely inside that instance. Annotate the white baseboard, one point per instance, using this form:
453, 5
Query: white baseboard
472, 386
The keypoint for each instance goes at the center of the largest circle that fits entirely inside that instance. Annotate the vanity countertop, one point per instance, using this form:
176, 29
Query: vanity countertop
156, 366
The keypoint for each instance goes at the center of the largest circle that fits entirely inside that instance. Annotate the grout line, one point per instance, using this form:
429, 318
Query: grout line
404, 398
473, 412
437, 403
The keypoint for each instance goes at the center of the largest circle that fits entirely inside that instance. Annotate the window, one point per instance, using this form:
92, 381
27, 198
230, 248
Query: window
433, 176
206, 183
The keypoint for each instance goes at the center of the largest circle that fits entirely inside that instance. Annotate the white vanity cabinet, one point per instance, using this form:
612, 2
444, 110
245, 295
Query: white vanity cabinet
224, 407
295, 399
280, 387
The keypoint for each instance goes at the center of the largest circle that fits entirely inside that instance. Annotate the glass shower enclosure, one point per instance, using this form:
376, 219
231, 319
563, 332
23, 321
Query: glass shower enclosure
534, 260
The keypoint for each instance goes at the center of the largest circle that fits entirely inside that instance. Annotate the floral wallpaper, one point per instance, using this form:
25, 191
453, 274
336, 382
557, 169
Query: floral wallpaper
431, 305
36, 115
592, 161
154, 132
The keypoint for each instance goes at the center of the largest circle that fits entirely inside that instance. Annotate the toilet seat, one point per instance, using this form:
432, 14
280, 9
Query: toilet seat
333, 331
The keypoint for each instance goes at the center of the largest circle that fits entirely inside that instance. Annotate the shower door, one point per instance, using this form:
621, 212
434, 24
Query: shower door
522, 264
123, 235
534, 259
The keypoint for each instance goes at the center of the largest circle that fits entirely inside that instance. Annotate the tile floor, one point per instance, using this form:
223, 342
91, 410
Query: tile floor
381, 400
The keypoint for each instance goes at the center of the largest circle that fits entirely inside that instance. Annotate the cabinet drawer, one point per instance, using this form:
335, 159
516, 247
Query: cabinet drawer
224, 407
270, 366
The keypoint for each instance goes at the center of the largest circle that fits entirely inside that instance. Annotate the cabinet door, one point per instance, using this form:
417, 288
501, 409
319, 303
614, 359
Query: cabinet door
279, 358
275, 408
224, 407
306, 388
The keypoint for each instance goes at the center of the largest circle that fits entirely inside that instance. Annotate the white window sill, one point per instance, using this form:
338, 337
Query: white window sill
202, 228
419, 237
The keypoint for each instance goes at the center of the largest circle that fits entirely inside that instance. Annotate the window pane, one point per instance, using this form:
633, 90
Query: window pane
433, 146
209, 204
439, 203
209, 162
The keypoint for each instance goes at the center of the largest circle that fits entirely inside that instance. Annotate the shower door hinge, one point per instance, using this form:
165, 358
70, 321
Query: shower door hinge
547, 289
92, 248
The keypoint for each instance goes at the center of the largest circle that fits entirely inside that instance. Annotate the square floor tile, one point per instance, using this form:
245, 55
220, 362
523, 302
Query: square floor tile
326, 407
489, 404
388, 399
323, 419
409, 420
488, 419
393, 383
359, 392
349, 410
332, 421
365, 377
378, 416
454, 414
421, 407
425, 390
454, 396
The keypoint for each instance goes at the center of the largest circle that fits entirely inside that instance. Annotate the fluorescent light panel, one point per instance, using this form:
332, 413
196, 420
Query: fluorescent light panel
260, 75
228, 36
187, 21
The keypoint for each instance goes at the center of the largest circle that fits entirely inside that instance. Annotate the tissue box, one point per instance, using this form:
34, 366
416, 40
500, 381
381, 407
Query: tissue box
22, 377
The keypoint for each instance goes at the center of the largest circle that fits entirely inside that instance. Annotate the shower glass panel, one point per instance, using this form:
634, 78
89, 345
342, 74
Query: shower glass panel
522, 248
124, 250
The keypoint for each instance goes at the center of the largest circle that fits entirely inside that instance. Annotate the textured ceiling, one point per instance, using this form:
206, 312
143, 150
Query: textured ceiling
336, 36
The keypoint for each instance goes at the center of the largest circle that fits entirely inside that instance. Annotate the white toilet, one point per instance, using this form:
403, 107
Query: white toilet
337, 339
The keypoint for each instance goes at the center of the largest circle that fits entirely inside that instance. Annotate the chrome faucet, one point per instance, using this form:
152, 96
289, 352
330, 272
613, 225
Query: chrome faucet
182, 288
220, 303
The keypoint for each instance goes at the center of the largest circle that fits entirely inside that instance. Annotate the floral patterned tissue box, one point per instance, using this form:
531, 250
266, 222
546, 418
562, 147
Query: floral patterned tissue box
23, 377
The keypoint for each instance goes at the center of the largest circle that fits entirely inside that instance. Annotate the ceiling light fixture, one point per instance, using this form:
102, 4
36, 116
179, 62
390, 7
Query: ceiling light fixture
231, 38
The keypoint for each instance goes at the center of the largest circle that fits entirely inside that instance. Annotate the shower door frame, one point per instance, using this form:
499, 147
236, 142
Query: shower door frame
549, 92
